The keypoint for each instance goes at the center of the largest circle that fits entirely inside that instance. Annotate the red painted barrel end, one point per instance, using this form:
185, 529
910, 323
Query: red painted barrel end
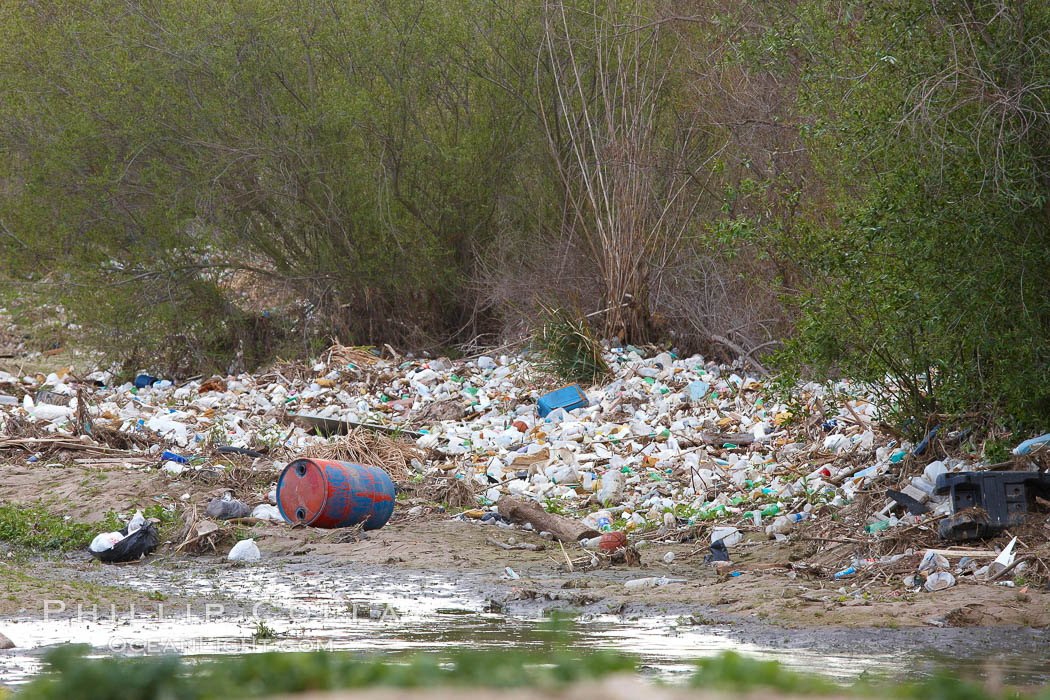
327, 494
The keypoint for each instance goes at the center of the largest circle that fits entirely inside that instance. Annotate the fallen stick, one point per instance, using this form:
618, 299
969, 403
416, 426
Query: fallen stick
738, 439
250, 521
520, 545
333, 426
114, 460
972, 553
566, 555
62, 443
862, 457
828, 539
565, 529
1010, 568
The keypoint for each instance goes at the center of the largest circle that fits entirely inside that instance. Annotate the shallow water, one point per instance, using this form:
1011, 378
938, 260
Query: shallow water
381, 612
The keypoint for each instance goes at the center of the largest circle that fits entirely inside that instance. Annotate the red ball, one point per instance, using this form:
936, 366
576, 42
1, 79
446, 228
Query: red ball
611, 541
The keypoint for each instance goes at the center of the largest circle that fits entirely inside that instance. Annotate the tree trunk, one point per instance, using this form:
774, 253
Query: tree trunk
565, 529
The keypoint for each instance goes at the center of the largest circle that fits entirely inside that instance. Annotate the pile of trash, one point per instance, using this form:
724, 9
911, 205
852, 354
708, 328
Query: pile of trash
667, 445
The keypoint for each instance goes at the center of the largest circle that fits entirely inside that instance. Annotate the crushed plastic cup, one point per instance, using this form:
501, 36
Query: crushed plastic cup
938, 581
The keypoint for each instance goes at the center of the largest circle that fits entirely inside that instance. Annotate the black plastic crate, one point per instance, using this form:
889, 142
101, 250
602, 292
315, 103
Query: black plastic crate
1005, 497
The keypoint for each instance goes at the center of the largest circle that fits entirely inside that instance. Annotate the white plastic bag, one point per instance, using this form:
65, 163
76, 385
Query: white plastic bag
933, 562
267, 512
245, 550
730, 536
105, 541
137, 521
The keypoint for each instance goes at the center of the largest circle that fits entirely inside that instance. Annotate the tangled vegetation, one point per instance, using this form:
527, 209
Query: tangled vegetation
858, 188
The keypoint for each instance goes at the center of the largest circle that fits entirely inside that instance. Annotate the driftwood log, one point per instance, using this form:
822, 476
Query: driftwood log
565, 529
717, 439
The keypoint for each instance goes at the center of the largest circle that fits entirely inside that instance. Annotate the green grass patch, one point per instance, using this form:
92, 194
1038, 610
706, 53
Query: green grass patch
168, 520
33, 527
70, 675
734, 672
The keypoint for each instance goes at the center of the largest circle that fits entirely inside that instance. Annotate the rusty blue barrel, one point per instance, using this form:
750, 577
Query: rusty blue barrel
328, 494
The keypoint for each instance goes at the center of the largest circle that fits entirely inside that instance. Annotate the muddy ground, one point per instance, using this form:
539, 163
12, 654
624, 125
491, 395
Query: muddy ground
757, 588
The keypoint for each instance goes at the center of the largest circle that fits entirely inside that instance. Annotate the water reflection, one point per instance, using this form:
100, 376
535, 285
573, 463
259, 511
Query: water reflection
294, 608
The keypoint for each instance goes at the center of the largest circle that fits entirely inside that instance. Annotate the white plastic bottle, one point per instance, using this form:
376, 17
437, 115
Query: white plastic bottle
783, 524
611, 489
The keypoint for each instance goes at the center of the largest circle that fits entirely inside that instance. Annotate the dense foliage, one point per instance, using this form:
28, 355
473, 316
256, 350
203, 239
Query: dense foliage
933, 132
861, 184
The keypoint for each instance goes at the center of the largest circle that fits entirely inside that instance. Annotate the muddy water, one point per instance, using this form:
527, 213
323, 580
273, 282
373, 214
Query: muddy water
303, 606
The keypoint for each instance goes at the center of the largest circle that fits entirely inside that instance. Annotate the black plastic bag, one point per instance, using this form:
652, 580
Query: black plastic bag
718, 552
132, 547
221, 509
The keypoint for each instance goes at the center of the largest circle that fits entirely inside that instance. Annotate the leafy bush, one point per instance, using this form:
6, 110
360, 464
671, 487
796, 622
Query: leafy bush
568, 348
344, 162
929, 281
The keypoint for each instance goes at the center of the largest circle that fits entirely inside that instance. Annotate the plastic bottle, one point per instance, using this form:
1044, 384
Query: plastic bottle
612, 487
784, 524
1027, 446
604, 520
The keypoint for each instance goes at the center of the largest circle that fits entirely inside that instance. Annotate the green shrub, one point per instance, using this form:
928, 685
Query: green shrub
928, 280
568, 348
